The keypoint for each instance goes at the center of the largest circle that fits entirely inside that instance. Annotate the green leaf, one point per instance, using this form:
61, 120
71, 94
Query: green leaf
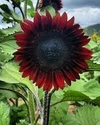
6, 51
10, 74
96, 57
48, 8
30, 3
19, 115
4, 114
72, 95
96, 101
92, 89
87, 115
30, 12
8, 31
5, 8
59, 111
93, 66
70, 120
9, 47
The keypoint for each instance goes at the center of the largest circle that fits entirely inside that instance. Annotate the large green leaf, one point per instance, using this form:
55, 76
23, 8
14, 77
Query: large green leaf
59, 115
92, 89
72, 95
81, 90
6, 51
88, 115
10, 74
10, 30
4, 114
9, 47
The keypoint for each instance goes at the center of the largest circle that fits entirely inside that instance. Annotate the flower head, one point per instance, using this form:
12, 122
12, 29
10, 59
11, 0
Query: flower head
57, 4
51, 50
95, 36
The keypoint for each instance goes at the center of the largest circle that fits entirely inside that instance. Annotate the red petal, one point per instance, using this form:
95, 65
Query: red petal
49, 82
30, 23
23, 44
37, 20
20, 52
70, 22
77, 69
55, 21
78, 32
25, 62
70, 75
75, 74
84, 53
44, 23
25, 27
63, 21
21, 37
36, 76
66, 78
33, 73
74, 28
81, 63
41, 79
59, 79
19, 58
25, 67
48, 15
84, 40
27, 72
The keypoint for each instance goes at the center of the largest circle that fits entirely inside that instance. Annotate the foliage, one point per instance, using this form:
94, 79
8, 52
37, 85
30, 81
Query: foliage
83, 94
4, 114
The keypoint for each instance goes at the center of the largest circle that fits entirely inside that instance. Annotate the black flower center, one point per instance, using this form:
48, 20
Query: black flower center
51, 51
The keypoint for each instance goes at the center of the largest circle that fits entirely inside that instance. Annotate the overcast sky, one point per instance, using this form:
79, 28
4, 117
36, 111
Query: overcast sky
86, 12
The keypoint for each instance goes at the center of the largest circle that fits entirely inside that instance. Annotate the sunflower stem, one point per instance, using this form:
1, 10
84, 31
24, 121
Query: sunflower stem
45, 108
31, 106
25, 8
37, 5
48, 104
46, 111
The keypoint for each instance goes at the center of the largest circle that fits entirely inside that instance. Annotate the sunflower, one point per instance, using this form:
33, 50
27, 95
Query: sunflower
51, 50
56, 4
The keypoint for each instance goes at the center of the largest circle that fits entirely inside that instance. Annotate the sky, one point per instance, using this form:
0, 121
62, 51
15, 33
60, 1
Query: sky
86, 12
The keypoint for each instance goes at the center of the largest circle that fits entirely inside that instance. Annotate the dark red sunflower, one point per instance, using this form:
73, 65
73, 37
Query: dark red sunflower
56, 4
51, 50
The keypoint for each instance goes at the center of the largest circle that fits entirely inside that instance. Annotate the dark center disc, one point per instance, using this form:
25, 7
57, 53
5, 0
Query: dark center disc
51, 52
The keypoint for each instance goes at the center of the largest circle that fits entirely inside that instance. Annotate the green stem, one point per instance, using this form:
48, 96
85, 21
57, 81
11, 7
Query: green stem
25, 8
37, 5
21, 12
39, 104
46, 111
31, 106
